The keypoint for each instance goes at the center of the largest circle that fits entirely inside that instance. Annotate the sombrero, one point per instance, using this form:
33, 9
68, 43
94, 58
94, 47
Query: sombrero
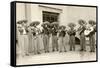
45, 23
21, 21
55, 24
62, 26
92, 22
34, 23
71, 24
19, 25
81, 22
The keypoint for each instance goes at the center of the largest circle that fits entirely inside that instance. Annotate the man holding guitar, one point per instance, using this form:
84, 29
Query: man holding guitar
92, 35
81, 30
72, 32
88, 31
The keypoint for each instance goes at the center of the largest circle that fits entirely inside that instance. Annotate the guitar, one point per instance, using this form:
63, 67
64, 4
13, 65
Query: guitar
81, 29
88, 31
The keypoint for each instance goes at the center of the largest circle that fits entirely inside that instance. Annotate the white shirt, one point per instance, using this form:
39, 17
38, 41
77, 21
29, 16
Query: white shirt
24, 31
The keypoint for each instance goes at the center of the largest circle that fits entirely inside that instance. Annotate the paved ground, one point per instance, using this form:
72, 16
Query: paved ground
56, 57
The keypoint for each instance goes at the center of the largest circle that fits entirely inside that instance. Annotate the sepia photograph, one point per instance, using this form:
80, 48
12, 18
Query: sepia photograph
54, 33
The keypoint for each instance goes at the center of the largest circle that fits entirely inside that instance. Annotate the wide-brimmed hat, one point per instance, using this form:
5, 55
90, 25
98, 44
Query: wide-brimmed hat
71, 24
92, 22
34, 23
21, 21
19, 25
45, 23
81, 22
55, 24
62, 26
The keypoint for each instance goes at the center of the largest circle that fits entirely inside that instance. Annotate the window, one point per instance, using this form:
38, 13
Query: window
50, 16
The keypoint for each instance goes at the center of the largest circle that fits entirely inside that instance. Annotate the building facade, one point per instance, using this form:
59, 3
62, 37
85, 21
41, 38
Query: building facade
51, 13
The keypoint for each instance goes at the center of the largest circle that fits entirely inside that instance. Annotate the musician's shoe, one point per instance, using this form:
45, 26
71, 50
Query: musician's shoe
57, 50
81, 50
48, 51
60, 51
70, 49
53, 50
27, 54
84, 50
73, 49
35, 53
65, 51
45, 51
92, 51
38, 53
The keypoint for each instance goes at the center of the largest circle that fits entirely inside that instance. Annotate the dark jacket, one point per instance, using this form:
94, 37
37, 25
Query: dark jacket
92, 33
71, 33
45, 31
82, 30
54, 31
62, 33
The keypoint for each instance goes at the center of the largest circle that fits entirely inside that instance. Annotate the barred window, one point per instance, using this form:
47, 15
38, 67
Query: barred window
50, 16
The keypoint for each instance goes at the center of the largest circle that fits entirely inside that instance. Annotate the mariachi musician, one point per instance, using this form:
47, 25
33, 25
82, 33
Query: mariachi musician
54, 36
62, 33
46, 34
23, 40
72, 33
30, 38
35, 37
81, 30
92, 35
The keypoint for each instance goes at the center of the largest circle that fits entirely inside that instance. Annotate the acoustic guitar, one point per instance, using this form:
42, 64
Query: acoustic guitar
88, 31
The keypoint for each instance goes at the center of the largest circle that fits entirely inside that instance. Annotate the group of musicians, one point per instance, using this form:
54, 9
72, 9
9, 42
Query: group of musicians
32, 38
